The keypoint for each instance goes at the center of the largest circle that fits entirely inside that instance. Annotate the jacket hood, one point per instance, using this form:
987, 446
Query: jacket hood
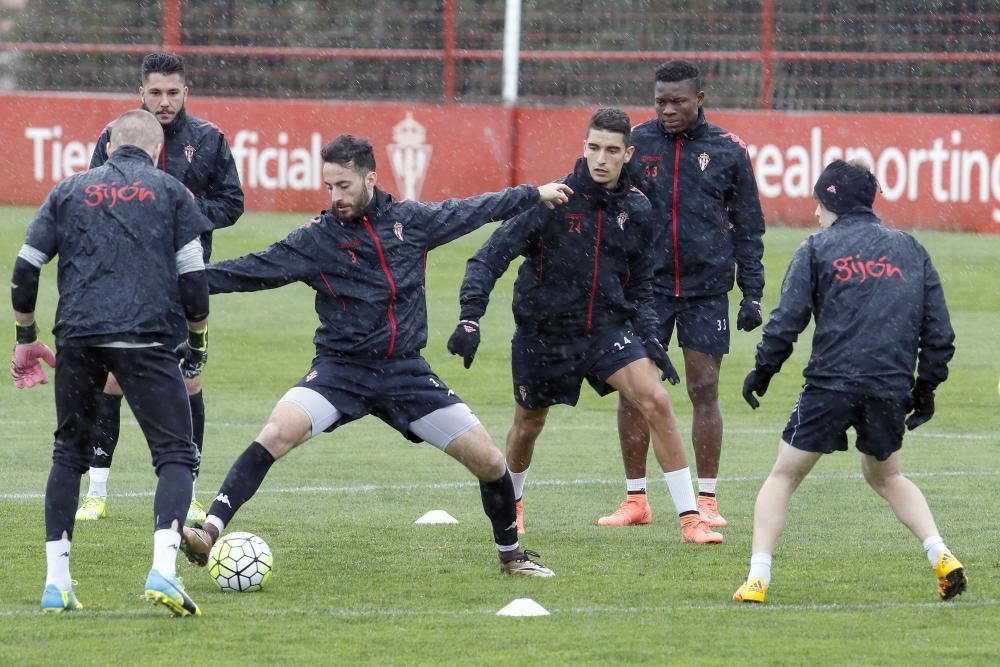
582, 183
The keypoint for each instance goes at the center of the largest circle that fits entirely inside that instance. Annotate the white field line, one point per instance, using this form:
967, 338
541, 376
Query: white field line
338, 612
377, 488
776, 431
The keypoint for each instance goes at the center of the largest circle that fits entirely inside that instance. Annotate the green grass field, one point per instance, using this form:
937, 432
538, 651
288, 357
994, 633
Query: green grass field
356, 582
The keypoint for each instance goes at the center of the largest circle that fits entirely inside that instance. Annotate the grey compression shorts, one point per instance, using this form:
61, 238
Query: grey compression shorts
439, 428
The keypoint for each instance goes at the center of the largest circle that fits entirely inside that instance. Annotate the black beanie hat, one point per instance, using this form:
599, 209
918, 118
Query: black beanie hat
842, 187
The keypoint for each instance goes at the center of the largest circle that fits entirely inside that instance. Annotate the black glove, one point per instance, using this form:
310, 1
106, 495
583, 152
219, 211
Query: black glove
756, 382
465, 341
654, 348
921, 404
749, 317
193, 353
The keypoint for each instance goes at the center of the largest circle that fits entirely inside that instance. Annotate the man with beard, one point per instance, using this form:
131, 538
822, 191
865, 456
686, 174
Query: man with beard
365, 258
194, 152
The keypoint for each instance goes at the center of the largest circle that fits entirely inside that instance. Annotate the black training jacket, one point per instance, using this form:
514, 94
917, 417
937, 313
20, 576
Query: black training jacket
195, 152
878, 304
116, 229
368, 273
705, 207
586, 263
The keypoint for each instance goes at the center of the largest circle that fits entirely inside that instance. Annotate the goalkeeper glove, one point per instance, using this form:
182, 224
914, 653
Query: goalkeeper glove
25, 367
192, 354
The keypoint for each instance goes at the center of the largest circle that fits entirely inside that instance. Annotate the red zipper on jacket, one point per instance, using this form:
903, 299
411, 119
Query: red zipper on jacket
675, 221
593, 283
392, 285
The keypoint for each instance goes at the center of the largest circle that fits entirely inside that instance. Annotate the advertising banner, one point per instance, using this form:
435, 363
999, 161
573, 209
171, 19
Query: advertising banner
936, 171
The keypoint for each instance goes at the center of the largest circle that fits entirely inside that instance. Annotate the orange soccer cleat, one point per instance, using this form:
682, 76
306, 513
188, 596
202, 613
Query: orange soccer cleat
634, 511
708, 508
694, 529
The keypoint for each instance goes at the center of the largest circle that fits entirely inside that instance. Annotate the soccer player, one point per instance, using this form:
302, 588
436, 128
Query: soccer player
130, 263
583, 310
880, 312
365, 258
195, 152
708, 231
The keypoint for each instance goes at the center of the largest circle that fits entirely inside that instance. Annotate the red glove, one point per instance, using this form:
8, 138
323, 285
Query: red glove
25, 367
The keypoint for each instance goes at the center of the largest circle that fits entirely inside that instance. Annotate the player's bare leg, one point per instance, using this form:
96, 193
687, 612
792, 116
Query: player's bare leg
910, 507
701, 372
524, 431
639, 384
769, 516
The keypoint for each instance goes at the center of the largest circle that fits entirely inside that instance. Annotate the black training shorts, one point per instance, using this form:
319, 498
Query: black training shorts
820, 420
399, 391
549, 370
702, 323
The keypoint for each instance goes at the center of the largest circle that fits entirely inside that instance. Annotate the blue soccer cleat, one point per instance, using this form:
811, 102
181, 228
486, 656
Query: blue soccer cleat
170, 593
57, 601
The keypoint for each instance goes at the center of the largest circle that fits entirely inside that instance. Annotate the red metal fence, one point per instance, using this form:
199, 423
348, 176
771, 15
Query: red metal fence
922, 55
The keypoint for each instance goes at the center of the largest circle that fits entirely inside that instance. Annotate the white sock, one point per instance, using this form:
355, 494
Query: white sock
217, 522
637, 484
707, 484
166, 544
98, 482
760, 567
518, 478
504, 548
57, 560
681, 490
934, 546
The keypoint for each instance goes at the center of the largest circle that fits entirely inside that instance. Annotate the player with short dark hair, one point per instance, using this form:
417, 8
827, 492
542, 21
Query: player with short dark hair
130, 264
880, 314
583, 310
365, 258
709, 226
195, 152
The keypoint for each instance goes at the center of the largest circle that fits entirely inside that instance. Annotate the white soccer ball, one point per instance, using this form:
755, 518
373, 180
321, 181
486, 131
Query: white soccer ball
240, 562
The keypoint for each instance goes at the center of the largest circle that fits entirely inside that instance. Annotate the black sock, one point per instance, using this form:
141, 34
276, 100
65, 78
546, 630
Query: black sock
242, 481
61, 496
197, 402
706, 494
173, 495
498, 503
107, 427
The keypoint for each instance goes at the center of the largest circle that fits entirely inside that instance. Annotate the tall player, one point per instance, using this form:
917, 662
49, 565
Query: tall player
709, 227
195, 152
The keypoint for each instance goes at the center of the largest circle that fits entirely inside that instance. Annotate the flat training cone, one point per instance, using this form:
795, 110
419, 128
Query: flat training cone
437, 516
523, 607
